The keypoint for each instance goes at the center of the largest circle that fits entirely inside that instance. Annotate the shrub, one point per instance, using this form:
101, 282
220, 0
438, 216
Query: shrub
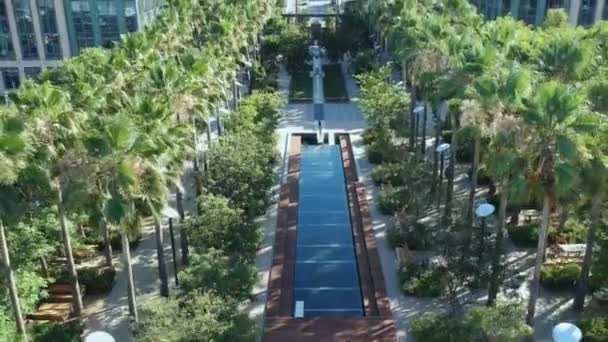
222, 226
68, 332
434, 327
213, 270
560, 277
382, 152
594, 327
240, 169
575, 231
390, 200
31, 287
418, 236
500, 323
363, 61
390, 173
370, 135
480, 324
258, 114
263, 77
196, 317
116, 243
395, 236
525, 235
422, 280
97, 280
7, 325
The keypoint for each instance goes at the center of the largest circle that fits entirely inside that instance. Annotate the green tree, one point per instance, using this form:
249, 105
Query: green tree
595, 182
198, 315
13, 143
552, 115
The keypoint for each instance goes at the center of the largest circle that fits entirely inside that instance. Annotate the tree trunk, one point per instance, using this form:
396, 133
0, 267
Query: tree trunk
107, 241
473, 186
452, 168
183, 237
563, 218
160, 254
131, 298
540, 251
423, 133
81, 230
12, 285
67, 243
179, 201
583, 279
218, 123
413, 119
500, 230
436, 172
45, 267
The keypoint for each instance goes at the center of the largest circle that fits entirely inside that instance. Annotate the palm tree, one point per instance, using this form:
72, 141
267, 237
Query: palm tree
13, 142
595, 180
57, 132
551, 115
505, 160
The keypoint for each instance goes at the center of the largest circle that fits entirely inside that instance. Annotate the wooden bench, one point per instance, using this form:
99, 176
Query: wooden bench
56, 312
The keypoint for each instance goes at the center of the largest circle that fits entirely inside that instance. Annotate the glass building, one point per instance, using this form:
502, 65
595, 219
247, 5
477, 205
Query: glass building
580, 12
39, 34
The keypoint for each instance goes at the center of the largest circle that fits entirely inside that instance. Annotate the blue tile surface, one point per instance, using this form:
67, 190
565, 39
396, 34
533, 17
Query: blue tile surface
327, 279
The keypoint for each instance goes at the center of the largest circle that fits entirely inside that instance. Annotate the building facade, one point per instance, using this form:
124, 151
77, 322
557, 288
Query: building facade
580, 12
38, 34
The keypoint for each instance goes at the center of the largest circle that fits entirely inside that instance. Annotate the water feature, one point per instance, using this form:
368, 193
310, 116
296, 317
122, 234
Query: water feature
326, 275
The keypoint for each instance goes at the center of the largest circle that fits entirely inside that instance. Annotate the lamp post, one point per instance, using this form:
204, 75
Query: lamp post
99, 336
483, 211
171, 214
567, 332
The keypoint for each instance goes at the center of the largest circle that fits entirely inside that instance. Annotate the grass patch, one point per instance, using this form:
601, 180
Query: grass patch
333, 84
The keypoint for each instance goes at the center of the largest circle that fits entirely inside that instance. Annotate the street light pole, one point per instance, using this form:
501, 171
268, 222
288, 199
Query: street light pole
173, 250
483, 211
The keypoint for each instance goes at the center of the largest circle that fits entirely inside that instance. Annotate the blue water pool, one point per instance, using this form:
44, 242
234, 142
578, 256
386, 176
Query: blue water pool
327, 280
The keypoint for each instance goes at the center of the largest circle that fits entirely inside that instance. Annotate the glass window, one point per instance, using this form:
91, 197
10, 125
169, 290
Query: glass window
6, 43
25, 29
527, 11
130, 16
83, 23
108, 23
586, 15
48, 26
10, 77
605, 15
32, 72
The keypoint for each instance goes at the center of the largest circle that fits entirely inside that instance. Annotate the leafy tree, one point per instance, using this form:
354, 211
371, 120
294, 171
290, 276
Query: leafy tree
197, 315
215, 270
223, 227
382, 102
552, 117
240, 168
595, 182
13, 142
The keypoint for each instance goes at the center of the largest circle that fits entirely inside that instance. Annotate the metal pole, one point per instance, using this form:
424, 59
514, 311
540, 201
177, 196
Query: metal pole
173, 250
441, 171
481, 239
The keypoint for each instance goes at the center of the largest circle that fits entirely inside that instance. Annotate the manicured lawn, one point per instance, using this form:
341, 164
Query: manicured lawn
301, 84
334, 82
